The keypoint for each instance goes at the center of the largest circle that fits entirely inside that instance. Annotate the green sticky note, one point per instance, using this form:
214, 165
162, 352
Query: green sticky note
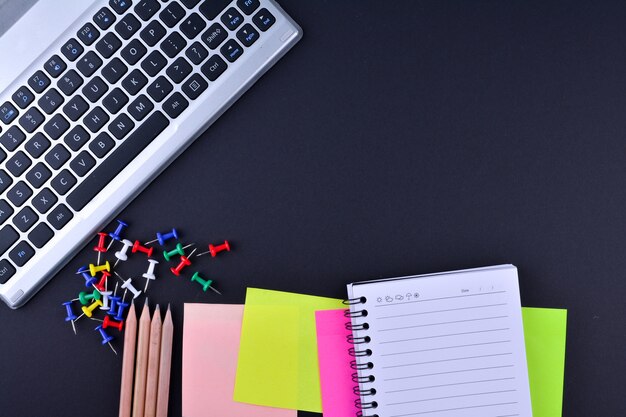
278, 364
544, 334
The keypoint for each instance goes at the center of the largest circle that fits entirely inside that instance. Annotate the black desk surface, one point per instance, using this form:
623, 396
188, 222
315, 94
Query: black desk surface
427, 136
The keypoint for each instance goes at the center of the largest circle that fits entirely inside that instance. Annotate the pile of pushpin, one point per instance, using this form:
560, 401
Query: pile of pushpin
113, 307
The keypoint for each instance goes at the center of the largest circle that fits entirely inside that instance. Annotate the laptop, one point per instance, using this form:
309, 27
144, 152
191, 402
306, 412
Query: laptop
99, 99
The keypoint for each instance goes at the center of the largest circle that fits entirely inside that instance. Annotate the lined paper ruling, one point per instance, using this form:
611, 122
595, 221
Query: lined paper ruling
442, 345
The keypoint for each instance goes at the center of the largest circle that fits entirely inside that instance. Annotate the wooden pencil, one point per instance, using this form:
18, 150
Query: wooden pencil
165, 364
143, 342
128, 362
154, 355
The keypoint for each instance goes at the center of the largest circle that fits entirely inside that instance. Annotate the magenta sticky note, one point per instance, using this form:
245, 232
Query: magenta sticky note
334, 361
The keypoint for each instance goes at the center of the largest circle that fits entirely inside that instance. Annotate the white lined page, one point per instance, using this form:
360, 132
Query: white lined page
446, 345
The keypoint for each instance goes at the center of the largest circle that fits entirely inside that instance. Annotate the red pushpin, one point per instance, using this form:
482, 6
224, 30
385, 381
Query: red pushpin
109, 322
184, 261
214, 250
102, 284
100, 248
138, 247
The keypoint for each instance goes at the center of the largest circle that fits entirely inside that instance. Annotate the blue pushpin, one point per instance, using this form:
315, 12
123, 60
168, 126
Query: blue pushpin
105, 338
120, 310
162, 238
116, 235
114, 299
70, 314
89, 280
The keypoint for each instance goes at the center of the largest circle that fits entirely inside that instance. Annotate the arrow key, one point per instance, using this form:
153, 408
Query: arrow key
264, 19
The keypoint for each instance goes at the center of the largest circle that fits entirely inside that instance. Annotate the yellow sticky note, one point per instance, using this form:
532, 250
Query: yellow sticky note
278, 364
544, 333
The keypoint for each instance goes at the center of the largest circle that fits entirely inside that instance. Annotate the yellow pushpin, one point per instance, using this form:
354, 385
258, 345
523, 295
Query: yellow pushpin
94, 269
88, 310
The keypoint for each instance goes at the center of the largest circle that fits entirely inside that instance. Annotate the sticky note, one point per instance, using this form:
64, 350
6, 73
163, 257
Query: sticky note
544, 334
211, 334
278, 365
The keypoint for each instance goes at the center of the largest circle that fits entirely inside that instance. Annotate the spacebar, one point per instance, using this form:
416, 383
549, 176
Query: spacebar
122, 156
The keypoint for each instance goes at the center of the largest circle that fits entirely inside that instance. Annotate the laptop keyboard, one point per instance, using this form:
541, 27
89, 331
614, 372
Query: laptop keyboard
105, 95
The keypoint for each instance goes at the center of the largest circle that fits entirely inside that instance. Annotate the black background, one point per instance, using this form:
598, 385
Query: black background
395, 138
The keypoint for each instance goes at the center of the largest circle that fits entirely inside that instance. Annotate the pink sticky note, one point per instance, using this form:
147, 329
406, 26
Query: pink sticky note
334, 361
211, 334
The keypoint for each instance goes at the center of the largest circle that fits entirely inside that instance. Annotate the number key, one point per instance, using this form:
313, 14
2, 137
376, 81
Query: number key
89, 64
108, 45
70, 82
31, 120
50, 101
127, 26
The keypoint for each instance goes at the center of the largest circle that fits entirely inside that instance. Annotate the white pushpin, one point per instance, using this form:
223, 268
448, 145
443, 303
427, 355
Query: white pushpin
149, 274
128, 285
122, 255
105, 300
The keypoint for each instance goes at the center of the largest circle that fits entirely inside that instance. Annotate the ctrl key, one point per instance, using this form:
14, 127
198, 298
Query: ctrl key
6, 271
21, 253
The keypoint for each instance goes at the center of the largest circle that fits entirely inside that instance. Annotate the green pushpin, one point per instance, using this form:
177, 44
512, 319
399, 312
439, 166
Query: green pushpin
205, 283
85, 298
179, 250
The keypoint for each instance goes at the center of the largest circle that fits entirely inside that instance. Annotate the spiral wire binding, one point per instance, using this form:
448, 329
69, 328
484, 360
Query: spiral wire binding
357, 351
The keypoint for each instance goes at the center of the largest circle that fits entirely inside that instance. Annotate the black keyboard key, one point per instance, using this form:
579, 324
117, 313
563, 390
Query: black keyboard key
37, 145
121, 126
51, 101
57, 156
44, 201
23, 97
193, 25
8, 236
197, 53
134, 82
247, 35
32, 119
175, 105
96, 119
12, 138
122, 156
101, 145
264, 19
19, 193
140, 108
114, 70
25, 219
194, 86
89, 64
214, 67
3, 155
108, 45
173, 44
145, 9
212, 8
5, 211
60, 216
76, 138
248, 6
39, 81
21, 253
190, 4
232, 19
127, 26
88, 34
160, 89
75, 108
104, 18
154, 63
231, 50
82, 164
133, 52
72, 49
70, 82
18, 163
5, 180
153, 33
63, 182
179, 70
115, 101
94, 89
172, 14
6, 271
56, 126
8, 113
38, 175
214, 36
40, 235
120, 6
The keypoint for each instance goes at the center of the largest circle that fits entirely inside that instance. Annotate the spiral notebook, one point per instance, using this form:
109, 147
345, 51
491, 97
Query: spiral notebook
440, 345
